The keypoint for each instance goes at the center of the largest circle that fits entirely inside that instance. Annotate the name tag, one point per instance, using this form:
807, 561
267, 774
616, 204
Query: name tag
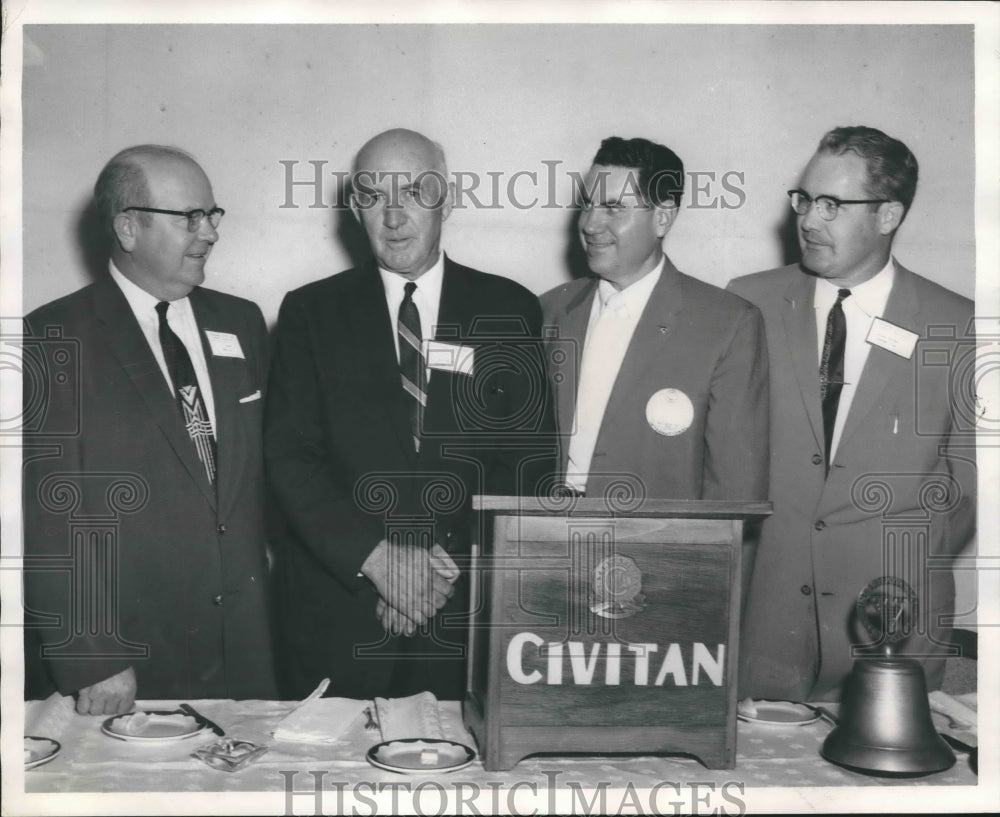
224, 344
449, 357
894, 338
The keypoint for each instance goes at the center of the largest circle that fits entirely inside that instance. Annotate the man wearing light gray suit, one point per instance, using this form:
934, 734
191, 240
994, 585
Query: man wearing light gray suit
665, 393
871, 394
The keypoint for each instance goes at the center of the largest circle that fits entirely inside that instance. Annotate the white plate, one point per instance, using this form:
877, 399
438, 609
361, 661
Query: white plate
159, 726
407, 756
39, 750
780, 713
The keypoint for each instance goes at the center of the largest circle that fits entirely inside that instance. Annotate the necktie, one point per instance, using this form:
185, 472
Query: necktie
412, 368
831, 367
189, 398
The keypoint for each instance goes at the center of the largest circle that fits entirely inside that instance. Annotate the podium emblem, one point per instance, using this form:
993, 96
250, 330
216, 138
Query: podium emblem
617, 591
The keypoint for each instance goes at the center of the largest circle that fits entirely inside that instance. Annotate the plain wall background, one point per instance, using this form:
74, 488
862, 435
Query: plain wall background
752, 100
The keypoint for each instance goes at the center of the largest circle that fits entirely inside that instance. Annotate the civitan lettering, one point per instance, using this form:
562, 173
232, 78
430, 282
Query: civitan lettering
613, 663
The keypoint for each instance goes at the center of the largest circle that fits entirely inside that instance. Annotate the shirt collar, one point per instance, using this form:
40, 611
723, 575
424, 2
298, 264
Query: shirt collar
634, 297
870, 297
428, 284
142, 303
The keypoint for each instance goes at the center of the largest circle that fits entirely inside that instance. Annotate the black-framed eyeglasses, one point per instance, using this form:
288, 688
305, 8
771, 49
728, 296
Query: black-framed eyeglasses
194, 217
826, 206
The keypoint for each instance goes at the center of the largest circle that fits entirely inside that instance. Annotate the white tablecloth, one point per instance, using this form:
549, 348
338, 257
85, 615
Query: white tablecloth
90, 761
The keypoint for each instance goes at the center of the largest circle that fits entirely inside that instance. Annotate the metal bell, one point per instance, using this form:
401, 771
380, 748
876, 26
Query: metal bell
885, 722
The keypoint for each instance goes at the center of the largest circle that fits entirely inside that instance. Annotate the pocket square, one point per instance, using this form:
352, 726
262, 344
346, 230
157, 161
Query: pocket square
251, 397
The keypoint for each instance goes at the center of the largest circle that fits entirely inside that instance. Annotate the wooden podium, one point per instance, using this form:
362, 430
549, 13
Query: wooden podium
602, 629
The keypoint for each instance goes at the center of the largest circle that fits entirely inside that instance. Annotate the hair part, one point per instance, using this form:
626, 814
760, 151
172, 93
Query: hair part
892, 167
661, 172
122, 183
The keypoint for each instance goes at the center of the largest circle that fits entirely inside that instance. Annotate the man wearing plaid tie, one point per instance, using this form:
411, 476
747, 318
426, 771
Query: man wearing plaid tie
873, 462
399, 390
169, 598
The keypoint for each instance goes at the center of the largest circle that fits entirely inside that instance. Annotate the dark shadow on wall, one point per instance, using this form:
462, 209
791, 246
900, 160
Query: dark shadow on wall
788, 235
576, 257
351, 236
93, 241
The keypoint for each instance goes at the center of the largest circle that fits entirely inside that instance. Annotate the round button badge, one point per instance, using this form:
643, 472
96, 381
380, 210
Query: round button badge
669, 412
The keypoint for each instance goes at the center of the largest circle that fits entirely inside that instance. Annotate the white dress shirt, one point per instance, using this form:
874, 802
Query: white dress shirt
180, 317
427, 298
613, 318
866, 303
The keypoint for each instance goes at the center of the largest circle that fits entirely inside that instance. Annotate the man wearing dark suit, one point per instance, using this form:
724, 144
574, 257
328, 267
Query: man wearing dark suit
376, 440
143, 486
870, 391
667, 396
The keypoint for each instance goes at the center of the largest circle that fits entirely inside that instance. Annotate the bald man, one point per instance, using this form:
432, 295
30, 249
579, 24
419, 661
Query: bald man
399, 389
144, 534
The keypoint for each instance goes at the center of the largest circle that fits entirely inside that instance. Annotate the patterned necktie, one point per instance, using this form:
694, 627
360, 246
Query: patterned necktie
189, 398
412, 368
831, 367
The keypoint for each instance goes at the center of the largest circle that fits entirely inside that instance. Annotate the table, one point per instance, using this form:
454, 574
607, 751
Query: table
89, 761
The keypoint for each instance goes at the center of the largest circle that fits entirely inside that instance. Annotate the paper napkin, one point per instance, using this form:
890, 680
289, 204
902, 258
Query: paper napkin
323, 720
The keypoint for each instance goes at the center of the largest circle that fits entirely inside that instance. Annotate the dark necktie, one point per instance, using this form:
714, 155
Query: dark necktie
412, 368
831, 367
189, 397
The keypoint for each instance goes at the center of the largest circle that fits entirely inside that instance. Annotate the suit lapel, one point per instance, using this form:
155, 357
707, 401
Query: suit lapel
129, 347
226, 379
371, 331
573, 328
883, 367
799, 322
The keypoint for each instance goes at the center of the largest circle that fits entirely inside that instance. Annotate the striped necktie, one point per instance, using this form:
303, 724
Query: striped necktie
412, 368
831, 367
189, 397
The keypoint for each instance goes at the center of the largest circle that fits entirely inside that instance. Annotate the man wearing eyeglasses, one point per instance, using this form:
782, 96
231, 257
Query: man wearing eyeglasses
169, 599
870, 473
399, 389
667, 395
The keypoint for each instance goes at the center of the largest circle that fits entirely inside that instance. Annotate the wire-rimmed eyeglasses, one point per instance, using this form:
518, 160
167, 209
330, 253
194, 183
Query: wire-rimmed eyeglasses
194, 217
826, 206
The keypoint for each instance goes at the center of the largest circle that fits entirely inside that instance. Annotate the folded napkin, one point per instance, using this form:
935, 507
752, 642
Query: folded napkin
414, 717
962, 717
323, 720
49, 718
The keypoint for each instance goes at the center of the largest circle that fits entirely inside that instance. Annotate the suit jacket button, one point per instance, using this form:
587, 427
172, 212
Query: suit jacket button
217, 600
820, 525
220, 530
806, 590
817, 459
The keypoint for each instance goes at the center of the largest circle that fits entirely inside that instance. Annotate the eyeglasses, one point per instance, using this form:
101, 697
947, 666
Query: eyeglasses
826, 206
194, 217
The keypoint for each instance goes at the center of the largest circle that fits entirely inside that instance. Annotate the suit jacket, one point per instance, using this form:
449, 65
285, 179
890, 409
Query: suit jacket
899, 499
692, 337
341, 460
126, 541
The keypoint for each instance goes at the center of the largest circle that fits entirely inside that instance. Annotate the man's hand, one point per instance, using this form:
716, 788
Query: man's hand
112, 696
413, 584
